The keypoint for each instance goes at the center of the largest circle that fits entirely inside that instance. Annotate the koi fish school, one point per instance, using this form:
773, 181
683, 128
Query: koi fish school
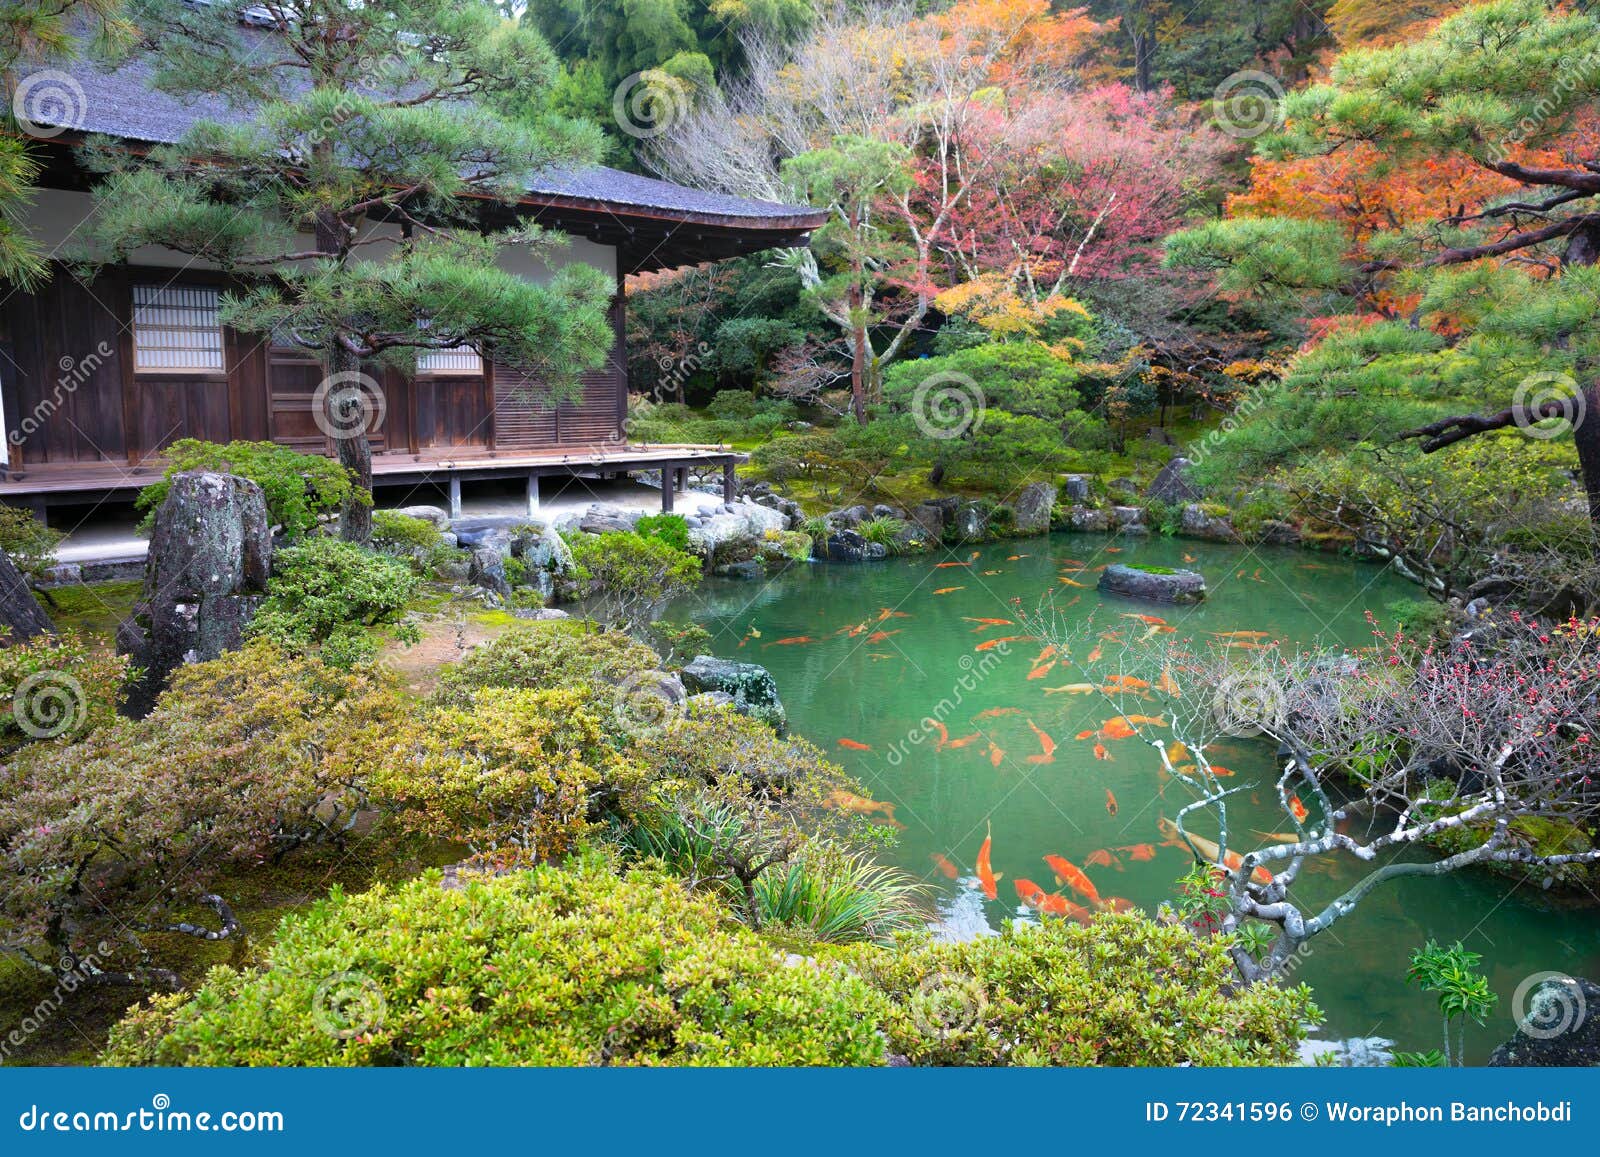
1346, 1113
976, 671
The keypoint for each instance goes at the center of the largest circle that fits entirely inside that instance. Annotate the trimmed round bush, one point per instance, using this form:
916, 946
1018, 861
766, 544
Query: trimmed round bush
1123, 990
557, 966
547, 655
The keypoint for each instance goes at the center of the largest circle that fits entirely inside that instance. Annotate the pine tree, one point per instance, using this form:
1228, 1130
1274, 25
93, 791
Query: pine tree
360, 192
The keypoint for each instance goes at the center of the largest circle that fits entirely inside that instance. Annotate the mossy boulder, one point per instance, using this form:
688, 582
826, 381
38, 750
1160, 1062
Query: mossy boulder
1155, 584
754, 691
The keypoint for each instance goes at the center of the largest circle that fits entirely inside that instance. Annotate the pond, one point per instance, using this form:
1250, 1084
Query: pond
861, 697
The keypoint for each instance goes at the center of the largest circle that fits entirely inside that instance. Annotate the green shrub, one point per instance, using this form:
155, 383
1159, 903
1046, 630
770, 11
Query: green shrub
57, 687
885, 531
546, 655
403, 536
571, 966
514, 775
298, 487
839, 897
325, 594
672, 529
243, 758
30, 543
635, 575
1121, 991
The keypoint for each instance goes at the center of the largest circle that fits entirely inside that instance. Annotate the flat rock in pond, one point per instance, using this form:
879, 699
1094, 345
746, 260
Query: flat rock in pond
1156, 585
754, 691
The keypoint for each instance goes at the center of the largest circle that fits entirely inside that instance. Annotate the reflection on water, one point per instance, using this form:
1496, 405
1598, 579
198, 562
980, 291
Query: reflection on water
871, 679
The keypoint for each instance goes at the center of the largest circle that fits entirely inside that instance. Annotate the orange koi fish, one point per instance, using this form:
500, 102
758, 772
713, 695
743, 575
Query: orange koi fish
997, 712
1148, 720
1117, 727
1047, 653
1048, 745
1111, 803
790, 641
1066, 562
948, 590
942, 565
1140, 853
880, 636
1190, 558
1222, 772
944, 865
1177, 753
1242, 634
1041, 672
958, 744
1100, 752
844, 801
1015, 557
1073, 583
886, 613
987, 878
1147, 620
1071, 689
1118, 904
988, 622
944, 732
1127, 683
996, 754
1094, 655
852, 745
1167, 685
988, 572
1210, 850
990, 644
1297, 809
1028, 892
1072, 876
1101, 858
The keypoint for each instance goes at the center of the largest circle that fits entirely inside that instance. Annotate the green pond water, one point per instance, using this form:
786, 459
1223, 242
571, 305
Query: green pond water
877, 692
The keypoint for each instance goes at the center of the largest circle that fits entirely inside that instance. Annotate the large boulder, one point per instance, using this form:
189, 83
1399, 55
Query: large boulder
845, 546
1087, 518
488, 570
1031, 513
1196, 523
934, 516
1174, 484
205, 575
1156, 585
432, 514
751, 686
733, 531
603, 518
1076, 487
1561, 1028
19, 610
971, 522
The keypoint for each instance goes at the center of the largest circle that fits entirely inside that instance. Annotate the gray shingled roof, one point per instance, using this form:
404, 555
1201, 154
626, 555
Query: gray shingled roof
121, 103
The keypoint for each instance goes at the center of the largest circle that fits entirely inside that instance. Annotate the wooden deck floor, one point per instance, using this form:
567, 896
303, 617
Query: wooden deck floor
44, 484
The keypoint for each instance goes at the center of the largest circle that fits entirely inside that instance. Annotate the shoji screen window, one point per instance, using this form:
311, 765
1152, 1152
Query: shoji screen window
176, 330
